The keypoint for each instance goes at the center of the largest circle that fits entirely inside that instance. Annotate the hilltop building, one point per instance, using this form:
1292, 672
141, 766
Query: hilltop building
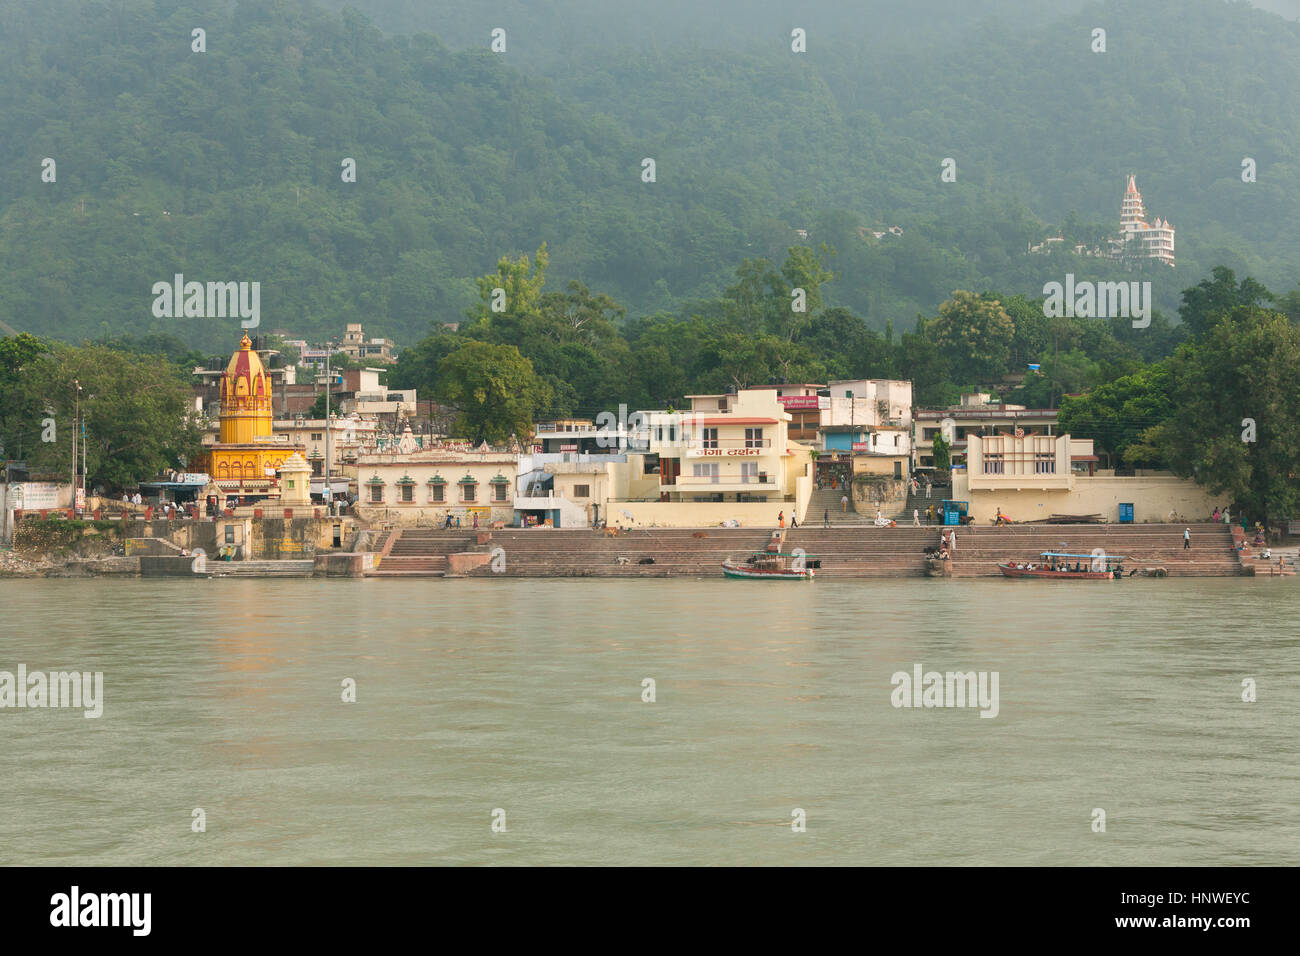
1146, 240
361, 349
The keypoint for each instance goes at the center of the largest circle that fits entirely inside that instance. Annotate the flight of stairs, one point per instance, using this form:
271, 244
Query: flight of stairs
920, 503
979, 549
422, 552
828, 499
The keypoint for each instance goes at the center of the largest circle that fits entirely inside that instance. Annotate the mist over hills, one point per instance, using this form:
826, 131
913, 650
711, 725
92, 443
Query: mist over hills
225, 165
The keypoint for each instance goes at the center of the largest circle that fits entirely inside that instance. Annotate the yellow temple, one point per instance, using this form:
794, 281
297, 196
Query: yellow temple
246, 455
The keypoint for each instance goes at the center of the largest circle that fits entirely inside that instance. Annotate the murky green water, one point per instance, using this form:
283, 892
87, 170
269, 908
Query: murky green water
526, 696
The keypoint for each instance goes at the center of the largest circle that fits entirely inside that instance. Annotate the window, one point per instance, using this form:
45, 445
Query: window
1044, 463
408, 492
748, 471
468, 492
993, 464
315, 436
710, 438
376, 494
753, 438
230, 534
582, 491
499, 492
707, 470
439, 493
927, 434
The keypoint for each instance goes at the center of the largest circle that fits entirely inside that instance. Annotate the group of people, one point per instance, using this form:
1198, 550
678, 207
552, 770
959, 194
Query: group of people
794, 519
134, 499
916, 486
450, 518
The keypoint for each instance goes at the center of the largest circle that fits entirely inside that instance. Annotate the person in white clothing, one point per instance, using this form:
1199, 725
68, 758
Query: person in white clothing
916, 518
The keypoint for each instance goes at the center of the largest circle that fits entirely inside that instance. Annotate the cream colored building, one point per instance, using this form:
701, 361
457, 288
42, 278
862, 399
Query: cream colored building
976, 415
423, 487
349, 437
1034, 477
727, 459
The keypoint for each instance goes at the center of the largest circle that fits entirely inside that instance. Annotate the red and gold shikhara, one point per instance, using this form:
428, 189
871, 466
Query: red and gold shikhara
246, 455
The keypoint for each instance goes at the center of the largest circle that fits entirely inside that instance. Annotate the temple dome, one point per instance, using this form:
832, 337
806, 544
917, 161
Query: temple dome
246, 383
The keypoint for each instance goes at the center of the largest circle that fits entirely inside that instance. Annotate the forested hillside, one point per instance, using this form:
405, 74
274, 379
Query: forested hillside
225, 165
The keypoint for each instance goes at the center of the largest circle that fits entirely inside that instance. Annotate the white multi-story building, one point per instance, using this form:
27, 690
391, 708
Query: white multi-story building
1153, 240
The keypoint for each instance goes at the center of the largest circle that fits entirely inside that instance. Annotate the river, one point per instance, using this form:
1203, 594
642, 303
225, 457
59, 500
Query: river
525, 696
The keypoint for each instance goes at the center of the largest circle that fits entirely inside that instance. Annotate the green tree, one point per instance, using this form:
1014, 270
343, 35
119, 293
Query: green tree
521, 282
1211, 299
494, 388
22, 408
942, 454
135, 408
1244, 370
975, 334
1116, 415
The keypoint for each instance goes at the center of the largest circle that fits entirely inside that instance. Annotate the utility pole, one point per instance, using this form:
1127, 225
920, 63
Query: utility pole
76, 415
329, 489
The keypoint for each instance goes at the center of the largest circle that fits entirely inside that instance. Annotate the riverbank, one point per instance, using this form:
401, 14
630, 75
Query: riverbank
838, 552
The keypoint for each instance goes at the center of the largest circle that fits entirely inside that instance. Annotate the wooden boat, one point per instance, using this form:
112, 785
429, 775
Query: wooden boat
771, 566
1057, 566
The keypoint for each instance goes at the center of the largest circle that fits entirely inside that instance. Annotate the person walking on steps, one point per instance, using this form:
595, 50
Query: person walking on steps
826, 519
780, 520
1187, 539
916, 518
794, 520
844, 504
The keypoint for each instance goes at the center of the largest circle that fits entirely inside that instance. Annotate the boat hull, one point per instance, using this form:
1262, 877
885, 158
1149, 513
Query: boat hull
1011, 572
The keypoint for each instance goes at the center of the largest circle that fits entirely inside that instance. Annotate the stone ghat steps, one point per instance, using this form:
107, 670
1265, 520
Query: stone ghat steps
260, 569
1157, 545
819, 502
846, 551
866, 552
417, 544
425, 565
585, 553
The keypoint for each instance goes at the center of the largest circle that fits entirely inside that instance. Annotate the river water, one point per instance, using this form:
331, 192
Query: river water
526, 697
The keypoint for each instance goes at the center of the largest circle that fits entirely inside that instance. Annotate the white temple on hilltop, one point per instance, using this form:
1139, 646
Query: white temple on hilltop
1147, 240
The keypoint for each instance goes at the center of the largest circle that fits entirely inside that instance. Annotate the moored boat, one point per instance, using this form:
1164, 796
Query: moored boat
1056, 565
771, 566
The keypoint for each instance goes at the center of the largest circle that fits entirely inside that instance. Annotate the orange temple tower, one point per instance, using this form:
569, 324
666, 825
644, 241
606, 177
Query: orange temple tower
246, 456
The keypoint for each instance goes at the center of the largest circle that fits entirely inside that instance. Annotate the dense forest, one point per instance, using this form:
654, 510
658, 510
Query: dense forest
225, 165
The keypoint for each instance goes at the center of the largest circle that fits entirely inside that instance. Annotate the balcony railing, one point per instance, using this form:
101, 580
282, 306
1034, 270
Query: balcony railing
758, 481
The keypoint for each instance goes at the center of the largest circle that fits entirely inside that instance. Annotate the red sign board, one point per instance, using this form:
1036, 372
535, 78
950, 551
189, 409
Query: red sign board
798, 401
860, 446
568, 448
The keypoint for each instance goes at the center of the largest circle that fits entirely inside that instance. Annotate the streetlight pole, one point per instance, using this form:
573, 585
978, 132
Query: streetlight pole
76, 415
329, 490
